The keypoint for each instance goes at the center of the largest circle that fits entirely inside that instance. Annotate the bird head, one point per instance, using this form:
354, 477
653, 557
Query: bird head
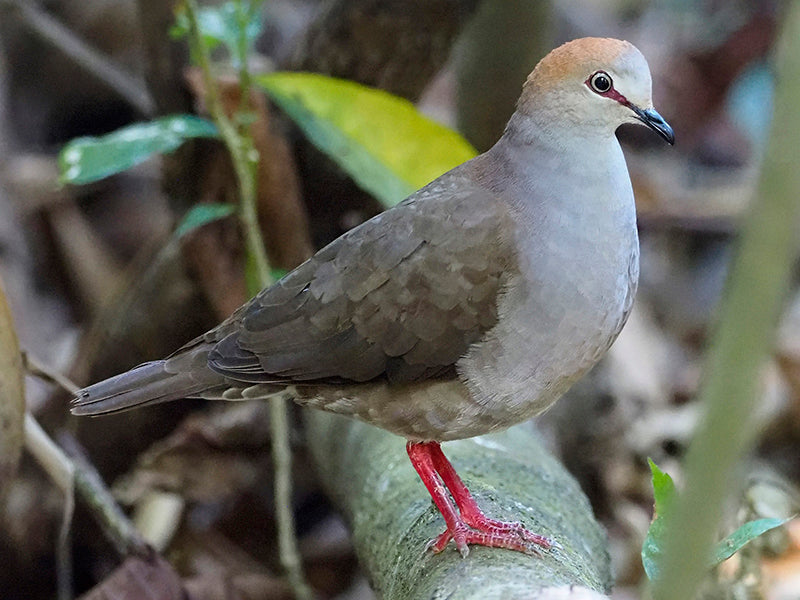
592, 84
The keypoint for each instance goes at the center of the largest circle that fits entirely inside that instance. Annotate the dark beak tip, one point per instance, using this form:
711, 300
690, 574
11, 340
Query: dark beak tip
668, 134
656, 122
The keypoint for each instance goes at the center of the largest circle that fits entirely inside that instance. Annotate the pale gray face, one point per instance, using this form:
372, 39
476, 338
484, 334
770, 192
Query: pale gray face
594, 83
622, 93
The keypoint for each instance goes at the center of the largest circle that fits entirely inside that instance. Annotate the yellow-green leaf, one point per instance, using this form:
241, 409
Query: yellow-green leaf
12, 397
383, 142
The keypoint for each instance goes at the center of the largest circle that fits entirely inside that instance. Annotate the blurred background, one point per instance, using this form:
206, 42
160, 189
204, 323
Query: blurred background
90, 299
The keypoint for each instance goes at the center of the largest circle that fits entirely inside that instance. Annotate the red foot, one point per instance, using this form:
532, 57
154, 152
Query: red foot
463, 536
467, 524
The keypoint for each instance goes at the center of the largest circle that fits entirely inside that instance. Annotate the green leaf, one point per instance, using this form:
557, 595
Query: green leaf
388, 147
746, 533
665, 496
201, 214
88, 159
223, 24
653, 547
663, 489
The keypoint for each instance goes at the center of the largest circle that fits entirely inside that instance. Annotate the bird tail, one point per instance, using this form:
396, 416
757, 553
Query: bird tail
183, 375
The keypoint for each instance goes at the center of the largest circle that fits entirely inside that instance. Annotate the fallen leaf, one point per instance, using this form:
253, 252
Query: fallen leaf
138, 577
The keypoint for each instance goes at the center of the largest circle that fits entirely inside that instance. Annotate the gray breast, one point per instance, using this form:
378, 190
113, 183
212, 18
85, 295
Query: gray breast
560, 315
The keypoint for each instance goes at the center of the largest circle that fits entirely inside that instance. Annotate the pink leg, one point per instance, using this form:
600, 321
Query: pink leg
471, 526
421, 459
470, 512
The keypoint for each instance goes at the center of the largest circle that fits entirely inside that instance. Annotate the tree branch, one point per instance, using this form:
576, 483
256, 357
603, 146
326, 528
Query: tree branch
395, 45
367, 472
95, 62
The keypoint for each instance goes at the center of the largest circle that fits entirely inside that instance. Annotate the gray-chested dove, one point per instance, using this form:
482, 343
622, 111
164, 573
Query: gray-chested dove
467, 308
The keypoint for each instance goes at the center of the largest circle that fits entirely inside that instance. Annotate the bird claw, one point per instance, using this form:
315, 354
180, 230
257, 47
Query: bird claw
481, 522
466, 523
492, 533
440, 542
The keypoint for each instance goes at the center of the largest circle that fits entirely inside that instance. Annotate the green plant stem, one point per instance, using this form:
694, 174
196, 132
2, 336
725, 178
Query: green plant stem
243, 154
245, 162
282, 462
246, 165
754, 296
244, 14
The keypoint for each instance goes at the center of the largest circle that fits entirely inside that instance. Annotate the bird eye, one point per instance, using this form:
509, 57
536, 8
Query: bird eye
600, 82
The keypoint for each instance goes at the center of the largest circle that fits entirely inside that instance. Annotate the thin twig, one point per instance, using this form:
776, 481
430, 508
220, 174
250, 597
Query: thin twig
92, 60
282, 461
246, 164
64, 550
62, 472
38, 369
79, 475
243, 154
243, 16
50, 457
245, 160
91, 488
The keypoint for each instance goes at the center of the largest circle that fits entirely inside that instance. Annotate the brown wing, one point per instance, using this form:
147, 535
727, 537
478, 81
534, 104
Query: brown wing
402, 296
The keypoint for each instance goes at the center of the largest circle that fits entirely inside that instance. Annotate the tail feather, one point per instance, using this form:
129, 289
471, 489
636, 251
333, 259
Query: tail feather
179, 376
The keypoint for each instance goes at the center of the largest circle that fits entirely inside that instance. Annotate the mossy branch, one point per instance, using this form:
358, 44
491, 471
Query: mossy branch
367, 472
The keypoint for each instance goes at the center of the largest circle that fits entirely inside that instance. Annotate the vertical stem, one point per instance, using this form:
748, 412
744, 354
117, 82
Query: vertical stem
244, 13
62, 472
257, 271
246, 162
243, 154
282, 461
755, 293
245, 159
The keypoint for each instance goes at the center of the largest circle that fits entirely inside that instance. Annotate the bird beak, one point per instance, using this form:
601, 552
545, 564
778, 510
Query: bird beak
655, 121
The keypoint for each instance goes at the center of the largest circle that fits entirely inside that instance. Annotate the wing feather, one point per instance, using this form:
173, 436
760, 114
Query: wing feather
401, 297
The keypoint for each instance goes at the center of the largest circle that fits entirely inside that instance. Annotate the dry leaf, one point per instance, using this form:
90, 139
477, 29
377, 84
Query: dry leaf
211, 457
782, 573
137, 578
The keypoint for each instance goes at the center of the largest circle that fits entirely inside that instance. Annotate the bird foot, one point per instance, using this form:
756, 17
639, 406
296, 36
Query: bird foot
466, 523
492, 533
481, 522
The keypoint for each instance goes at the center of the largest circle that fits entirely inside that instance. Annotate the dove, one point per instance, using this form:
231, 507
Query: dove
470, 306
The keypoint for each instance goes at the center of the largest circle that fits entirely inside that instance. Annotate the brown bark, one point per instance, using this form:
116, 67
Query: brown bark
395, 45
